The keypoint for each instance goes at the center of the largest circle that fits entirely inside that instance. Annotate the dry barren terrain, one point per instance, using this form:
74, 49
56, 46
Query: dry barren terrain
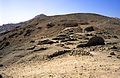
82, 45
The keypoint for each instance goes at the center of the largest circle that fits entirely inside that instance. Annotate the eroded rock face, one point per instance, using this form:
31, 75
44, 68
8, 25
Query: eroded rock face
93, 42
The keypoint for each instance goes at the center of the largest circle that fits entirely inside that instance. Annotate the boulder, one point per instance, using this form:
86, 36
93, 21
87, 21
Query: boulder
112, 53
118, 56
32, 41
89, 29
96, 41
1, 65
114, 47
1, 76
116, 37
93, 42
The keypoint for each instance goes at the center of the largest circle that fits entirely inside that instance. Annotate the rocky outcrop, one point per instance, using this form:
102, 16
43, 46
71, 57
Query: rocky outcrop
93, 42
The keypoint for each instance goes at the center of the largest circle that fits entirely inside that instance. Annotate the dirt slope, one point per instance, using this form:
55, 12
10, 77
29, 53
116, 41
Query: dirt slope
82, 45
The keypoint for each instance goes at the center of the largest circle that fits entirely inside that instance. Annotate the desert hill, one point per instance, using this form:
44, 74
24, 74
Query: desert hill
76, 45
8, 27
39, 27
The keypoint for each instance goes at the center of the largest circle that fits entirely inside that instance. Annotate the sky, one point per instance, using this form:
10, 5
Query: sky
14, 11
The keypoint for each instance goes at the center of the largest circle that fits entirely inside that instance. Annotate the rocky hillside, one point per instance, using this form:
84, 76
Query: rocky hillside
75, 45
8, 27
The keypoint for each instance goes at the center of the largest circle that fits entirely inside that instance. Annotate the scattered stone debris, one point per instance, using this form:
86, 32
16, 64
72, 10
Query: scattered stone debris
115, 37
83, 42
84, 23
4, 44
66, 47
31, 48
18, 49
49, 25
112, 53
20, 33
61, 45
58, 53
20, 56
45, 42
4, 38
89, 29
61, 37
109, 56
68, 39
118, 56
114, 47
32, 41
41, 49
73, 30
111, 43
93, 42
12, 35
39, 28
68, 43
88, 34
70, 24
1, 65
28, 32
80, 52
1, 34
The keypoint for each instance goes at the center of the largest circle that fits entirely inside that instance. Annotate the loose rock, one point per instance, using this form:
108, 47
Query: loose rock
45, 42
89, 29
112, 53
93, 42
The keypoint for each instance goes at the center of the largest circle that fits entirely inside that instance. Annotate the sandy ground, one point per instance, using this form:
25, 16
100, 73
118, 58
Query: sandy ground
98, 66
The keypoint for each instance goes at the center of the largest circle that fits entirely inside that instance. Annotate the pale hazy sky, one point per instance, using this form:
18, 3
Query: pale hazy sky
13, 11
